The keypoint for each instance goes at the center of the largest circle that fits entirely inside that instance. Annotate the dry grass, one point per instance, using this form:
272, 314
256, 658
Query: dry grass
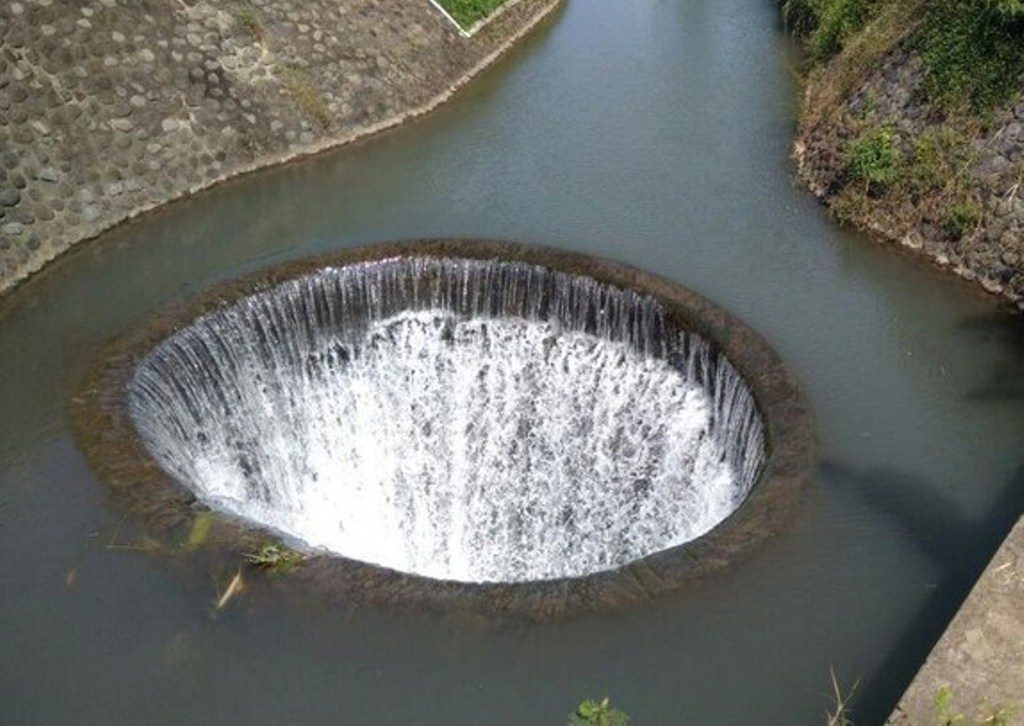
308, 100
839, 714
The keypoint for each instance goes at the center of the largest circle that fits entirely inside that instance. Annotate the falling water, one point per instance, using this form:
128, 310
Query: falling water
459, 419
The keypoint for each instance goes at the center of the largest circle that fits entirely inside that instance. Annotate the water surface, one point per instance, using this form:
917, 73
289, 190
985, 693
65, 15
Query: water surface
655, 132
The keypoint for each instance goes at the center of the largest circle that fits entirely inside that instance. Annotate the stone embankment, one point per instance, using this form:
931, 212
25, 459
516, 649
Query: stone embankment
111, 107
982, 157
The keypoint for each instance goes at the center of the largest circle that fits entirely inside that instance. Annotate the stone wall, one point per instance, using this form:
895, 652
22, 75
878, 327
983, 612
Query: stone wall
978, 660
889, 94
112, 107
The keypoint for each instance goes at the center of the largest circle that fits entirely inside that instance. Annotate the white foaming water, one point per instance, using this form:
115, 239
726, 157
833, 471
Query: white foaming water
457, 419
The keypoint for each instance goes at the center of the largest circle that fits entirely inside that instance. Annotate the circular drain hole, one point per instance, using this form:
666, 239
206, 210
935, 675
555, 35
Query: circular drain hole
467, 413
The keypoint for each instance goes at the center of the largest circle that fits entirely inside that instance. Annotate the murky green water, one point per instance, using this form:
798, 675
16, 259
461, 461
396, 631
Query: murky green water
654, 132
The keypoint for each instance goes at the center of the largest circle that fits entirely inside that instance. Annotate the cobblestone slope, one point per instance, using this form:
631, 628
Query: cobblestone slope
111, 107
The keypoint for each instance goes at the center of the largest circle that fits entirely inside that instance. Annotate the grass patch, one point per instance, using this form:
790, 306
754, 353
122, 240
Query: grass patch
469, 12
973, 49
974, 52
307, 97
250, 22
937, 170
872, 158
926, 179
961, 219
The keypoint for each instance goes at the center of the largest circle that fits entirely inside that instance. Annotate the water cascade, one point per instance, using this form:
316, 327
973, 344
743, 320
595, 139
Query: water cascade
469, 420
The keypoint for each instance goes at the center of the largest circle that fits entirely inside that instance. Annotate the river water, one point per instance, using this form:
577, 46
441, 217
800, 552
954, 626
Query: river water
655, 132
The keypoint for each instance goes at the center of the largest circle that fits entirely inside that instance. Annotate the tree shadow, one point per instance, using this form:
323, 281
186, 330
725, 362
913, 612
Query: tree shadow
959, 548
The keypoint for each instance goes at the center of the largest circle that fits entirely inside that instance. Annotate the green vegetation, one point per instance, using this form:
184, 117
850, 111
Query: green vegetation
973, 59
927, 178
597, 713
974, 52
274, 559
827, 24
961, 219
469, 12
937, 172
948, 716
973, 49
861, 53
250, 22
307, 98
872, 157
937, 160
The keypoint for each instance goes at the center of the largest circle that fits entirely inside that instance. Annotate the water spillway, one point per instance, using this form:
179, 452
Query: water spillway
477, 420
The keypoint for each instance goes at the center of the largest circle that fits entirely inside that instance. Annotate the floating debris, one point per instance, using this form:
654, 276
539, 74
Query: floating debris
233, 589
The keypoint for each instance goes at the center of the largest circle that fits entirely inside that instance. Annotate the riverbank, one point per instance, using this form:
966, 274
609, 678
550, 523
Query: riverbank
903, 135
109, 109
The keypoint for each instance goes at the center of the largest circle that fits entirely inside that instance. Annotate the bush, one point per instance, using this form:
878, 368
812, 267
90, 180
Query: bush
974, 52
961, 219
872, 157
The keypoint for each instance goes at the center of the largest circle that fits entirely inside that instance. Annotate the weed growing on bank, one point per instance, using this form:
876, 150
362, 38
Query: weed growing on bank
250, 23
872, 158
308, 101
928, 176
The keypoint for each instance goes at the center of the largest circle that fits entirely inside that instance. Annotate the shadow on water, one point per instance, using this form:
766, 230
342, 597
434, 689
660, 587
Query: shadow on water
1006, 334
959, 548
